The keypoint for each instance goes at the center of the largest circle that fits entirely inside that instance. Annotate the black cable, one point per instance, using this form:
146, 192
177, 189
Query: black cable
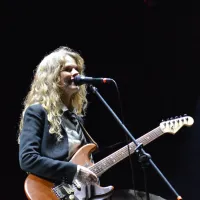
127, 140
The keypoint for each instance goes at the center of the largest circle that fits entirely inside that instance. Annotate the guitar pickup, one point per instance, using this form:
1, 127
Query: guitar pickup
63, 190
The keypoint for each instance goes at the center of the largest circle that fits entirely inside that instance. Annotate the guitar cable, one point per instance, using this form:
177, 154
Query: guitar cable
127, 141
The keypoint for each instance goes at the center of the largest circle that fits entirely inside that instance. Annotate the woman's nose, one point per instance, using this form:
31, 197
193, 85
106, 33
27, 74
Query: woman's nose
74, 72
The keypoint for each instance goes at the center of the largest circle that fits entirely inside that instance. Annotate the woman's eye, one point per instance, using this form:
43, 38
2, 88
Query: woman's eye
66, 69
69, 69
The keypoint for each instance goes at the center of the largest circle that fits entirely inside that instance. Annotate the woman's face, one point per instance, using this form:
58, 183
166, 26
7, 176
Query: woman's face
68, 71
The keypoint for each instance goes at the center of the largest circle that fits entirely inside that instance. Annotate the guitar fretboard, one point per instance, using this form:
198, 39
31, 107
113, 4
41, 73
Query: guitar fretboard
109, 161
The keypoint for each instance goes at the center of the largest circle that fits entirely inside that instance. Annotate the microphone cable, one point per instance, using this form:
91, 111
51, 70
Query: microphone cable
127, 140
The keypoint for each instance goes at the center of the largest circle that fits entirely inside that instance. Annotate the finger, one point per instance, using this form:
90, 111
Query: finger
94, 180
88, 181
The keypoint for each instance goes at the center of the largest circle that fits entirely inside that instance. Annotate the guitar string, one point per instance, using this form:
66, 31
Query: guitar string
121, 153
118, 156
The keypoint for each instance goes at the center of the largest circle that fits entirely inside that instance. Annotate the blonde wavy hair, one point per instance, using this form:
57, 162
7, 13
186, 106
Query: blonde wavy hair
45, 89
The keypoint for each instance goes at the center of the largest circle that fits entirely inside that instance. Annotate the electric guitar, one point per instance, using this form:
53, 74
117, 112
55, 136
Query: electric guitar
37, 188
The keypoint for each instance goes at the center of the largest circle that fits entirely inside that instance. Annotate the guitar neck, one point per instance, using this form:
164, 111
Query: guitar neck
103, 165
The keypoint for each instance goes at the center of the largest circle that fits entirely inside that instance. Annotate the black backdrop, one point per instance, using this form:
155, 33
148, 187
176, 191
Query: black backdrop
150, 49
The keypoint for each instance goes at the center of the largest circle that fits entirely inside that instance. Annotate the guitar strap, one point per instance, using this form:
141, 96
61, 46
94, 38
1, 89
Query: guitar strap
87, 134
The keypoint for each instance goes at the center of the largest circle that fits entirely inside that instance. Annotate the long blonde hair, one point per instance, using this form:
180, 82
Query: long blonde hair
45, 89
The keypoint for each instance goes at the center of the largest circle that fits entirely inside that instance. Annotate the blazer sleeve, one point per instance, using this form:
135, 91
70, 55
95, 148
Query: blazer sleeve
30, 159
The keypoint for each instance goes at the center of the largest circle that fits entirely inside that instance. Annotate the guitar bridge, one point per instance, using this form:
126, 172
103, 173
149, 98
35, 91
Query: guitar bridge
77, 184
64, 191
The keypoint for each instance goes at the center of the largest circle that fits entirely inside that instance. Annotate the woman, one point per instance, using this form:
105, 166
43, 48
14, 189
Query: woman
49, 133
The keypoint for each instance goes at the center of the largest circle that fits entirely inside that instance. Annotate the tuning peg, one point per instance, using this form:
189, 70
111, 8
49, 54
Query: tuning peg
171, 118
185, 115
176, 117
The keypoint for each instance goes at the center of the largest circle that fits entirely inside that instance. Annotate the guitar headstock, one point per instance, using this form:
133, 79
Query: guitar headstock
173, 125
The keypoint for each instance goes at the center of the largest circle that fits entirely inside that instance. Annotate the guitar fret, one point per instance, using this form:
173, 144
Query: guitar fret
109, 161
122, 153
153, 134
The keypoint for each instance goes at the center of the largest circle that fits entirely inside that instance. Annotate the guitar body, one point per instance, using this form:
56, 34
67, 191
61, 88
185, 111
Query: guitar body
37, 188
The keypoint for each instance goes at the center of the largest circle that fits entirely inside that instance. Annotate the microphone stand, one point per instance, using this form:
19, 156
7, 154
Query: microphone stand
143, 157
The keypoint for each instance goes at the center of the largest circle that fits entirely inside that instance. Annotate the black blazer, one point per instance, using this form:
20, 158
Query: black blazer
39, 151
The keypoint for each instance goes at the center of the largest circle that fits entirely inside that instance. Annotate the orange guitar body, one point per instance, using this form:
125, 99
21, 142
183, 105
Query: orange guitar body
37, 188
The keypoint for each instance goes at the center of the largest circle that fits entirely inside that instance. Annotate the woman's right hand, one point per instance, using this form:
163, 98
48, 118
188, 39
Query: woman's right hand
86, 176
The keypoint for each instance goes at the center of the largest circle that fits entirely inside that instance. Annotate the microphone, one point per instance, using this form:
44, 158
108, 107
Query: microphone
79, 80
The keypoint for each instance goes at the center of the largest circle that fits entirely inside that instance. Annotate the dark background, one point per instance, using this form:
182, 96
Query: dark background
151, 50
